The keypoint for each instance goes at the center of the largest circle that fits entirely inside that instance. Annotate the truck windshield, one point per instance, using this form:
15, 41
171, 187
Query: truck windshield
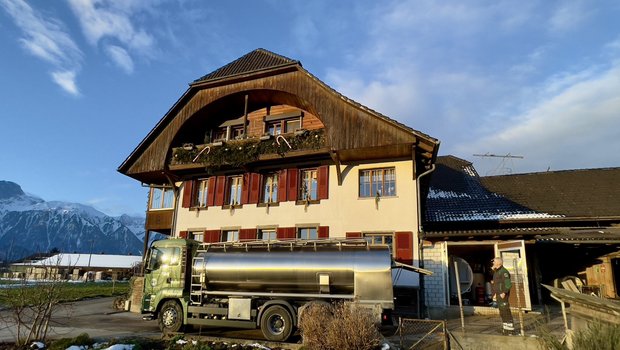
164, 256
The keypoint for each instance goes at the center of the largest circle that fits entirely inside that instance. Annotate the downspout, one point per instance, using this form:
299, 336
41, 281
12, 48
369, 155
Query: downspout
176, 192
423, 309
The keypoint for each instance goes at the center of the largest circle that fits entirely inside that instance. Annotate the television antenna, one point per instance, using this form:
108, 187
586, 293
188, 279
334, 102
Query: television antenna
502, 168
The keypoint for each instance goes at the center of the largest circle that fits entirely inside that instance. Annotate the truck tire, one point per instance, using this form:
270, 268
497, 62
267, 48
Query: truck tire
170, 317
276, 323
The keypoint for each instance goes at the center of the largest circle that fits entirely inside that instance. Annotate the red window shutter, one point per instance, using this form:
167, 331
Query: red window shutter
183, 234
292, 180
286, 233
220, 190
354, 235
245, 189
255, 184
212, 236
282, 185
247, 234
211, 192
403, 248
323, 231
188, 187
323, 180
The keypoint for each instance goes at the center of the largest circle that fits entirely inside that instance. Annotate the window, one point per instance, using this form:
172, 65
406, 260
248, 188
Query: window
235, 184
220, 134
267, 234
164, 256
161, 198
307, 233
197, 236
274, 128
236, 132
270, 188
283, 126
379, 239
231, 235
202, 187
308, 185
378, 182
291, 125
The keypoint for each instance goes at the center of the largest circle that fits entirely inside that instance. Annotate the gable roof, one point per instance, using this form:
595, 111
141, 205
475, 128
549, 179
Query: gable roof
252, 62
267, 78
572, 193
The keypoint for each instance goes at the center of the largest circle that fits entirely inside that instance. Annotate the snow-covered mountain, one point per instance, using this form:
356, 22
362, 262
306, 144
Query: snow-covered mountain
31, 225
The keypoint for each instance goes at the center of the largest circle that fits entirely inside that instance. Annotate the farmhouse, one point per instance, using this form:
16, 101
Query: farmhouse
262, 149
547, 226
75, 266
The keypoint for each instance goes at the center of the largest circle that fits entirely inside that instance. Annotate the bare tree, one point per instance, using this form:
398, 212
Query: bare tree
31, 303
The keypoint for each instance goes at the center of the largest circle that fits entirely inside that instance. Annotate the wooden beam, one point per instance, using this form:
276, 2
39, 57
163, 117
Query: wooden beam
336, 159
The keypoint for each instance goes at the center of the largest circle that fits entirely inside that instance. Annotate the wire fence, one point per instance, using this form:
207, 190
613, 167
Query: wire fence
422, 334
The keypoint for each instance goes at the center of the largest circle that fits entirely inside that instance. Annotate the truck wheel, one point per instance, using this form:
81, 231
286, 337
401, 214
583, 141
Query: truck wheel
170, 317
276, 323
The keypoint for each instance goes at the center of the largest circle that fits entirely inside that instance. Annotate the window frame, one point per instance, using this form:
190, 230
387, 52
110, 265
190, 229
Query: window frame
302, 184
225, 233
274, 192
383, 235
261, 231
383, 182
194, 234
237, 181
282, 125
201, 185
164, 190
299, 229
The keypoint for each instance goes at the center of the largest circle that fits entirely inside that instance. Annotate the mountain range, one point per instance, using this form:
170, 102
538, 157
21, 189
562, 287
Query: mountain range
30, 225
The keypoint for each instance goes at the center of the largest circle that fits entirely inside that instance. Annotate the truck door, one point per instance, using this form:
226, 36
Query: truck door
513, 255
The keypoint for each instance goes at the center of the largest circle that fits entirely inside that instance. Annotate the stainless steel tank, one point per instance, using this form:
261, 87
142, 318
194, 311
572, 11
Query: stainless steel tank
364, 273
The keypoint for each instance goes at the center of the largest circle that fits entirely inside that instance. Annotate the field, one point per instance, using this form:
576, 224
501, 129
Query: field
71, 291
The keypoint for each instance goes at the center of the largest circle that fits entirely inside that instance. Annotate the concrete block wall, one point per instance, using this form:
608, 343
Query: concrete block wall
434, 286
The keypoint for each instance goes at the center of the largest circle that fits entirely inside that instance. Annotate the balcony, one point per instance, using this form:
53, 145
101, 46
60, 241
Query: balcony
237, 153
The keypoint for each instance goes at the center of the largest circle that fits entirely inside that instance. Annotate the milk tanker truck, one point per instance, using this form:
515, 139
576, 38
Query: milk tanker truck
259, 284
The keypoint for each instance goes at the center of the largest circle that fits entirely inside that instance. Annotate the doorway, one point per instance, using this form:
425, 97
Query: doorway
475, 274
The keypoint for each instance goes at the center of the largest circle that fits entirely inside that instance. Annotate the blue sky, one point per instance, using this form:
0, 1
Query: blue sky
83, 81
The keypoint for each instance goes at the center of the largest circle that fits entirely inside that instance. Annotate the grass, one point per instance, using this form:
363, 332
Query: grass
78, 291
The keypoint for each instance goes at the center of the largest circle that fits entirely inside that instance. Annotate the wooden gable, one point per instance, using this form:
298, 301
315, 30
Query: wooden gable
262, 79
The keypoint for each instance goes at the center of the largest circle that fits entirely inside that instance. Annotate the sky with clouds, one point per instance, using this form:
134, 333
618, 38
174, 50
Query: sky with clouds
84, 81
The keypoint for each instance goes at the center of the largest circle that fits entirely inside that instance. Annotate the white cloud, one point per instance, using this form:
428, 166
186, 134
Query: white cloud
66, 80
120, 57
46, 39
569, 15
571, 128
112, 20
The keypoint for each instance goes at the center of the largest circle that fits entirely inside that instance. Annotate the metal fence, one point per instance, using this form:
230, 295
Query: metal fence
422, 334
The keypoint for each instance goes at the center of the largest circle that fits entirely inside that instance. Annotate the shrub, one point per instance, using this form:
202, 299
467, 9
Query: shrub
339, 327
597, 336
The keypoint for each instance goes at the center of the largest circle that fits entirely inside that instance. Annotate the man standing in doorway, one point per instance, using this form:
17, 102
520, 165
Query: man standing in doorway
501, 288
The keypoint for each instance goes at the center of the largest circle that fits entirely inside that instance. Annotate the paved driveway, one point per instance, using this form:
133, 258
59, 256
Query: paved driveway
94, 316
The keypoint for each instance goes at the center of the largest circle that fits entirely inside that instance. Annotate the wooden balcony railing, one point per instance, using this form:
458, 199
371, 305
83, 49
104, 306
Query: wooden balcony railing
236, 153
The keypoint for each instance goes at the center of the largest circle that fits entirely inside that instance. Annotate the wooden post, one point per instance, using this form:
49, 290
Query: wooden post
458, 290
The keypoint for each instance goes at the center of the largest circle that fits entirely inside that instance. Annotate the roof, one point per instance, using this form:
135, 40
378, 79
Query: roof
456, 194
88, 260
252, 62
571, 193
266, 78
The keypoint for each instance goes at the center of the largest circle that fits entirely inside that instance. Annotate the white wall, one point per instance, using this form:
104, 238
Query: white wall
435, 286
343, 212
